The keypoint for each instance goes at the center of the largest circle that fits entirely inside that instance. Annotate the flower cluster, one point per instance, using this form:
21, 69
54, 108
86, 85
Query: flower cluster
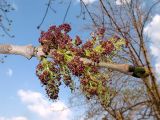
66, 53
49, 77
55, 37
107, 46
95, 86
76, 66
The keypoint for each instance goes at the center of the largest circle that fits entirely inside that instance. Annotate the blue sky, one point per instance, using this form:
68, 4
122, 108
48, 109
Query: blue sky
21, 95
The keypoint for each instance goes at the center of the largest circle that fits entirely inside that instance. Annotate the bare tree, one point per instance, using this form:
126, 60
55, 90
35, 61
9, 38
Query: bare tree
5, 21
128, 19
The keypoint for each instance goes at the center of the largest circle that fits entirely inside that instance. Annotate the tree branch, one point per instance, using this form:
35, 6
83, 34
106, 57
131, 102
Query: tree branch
30, 51
26, 51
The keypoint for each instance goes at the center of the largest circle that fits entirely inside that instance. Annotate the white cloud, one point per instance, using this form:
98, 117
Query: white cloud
157, 67
9, 72
14, 118
153, 31
88, 1
46, 110
122, 2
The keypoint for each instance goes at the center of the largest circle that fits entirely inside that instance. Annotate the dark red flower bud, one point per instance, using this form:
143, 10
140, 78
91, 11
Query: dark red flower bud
78, 41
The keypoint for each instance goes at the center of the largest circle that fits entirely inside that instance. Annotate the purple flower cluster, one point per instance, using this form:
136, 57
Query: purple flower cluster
49, 77
66, 54
108, 47
76, 66
55, 37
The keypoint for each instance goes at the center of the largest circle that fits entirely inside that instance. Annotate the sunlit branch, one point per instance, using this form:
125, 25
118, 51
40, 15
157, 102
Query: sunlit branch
30, 51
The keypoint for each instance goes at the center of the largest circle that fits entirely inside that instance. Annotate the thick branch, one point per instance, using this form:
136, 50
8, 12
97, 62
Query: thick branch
139, 72
124, 68
30, 51
26, 51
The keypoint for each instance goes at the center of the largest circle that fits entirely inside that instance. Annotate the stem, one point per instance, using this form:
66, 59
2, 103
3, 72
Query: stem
26, 51
30, 51
139, 72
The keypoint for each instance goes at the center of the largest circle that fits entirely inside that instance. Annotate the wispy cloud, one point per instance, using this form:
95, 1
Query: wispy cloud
13, 118
88, 1
46, 110
9, 72
153, 31
122, 2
